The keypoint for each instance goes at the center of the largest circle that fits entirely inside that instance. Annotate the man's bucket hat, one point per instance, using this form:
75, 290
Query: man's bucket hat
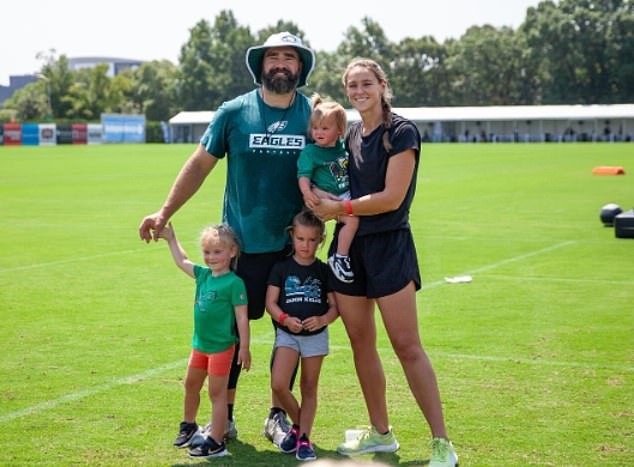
255, 55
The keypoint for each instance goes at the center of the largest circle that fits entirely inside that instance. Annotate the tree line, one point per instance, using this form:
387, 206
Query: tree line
566, 52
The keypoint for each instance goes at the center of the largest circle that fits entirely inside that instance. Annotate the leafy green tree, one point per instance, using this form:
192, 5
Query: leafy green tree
196, 68
326, 79
61, 79
369, 42
486, 67
29, 103
122, 94
585, 49
212, 63
620, 52
418, 73
153, 89
91, 94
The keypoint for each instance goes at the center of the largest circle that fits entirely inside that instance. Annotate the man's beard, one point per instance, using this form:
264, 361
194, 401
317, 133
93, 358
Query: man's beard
280, 84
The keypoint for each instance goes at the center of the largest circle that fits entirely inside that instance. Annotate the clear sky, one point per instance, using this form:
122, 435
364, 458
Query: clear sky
151, 30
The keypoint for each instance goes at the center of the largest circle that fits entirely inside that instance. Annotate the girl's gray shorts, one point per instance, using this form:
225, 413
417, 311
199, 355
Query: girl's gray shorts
307, 346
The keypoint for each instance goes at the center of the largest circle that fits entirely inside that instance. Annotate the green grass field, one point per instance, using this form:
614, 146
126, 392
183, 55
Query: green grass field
535, 357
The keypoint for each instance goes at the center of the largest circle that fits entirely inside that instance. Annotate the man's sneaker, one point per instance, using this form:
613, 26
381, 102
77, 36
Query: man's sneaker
289, 443
442, 453
276, 427
305, 451
369, 440
340, 266
209, 448
231, 431
186, 433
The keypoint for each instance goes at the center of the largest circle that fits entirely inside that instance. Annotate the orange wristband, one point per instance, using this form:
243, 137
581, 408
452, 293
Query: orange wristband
347, 206
283, 317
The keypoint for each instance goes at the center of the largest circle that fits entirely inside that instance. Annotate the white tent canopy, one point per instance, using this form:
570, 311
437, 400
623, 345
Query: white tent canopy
490, 123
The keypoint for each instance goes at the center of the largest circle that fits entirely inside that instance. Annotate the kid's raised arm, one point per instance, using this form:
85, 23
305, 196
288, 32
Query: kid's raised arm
178, 253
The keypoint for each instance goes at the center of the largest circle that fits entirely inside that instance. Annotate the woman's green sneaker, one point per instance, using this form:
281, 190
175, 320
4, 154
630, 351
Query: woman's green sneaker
369, 440
442, 453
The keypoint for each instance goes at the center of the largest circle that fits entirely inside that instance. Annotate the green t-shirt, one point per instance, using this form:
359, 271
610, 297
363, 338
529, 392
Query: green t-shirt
262, 144
327, 168
214, 313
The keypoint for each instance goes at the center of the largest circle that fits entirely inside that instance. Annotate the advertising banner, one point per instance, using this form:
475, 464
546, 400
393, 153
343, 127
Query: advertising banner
95, 133
121, 128
64, 134
48, 134
1, 134
12, 134
30, 134
79, 132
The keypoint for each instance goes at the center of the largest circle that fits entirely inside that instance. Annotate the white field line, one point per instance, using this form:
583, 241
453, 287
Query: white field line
76, 259
74, 396
559, 279
73, 259
514, 259
509, 359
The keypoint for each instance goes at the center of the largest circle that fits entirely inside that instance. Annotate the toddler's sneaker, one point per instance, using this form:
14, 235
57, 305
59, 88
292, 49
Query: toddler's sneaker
305, 450
369, 440
442, 453
341, 268
186, 433
210, 448
289, 443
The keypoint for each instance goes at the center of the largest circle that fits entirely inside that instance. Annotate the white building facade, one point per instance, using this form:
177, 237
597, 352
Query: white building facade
496, 124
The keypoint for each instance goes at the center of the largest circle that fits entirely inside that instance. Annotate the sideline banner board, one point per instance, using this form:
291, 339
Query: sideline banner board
78, 130
48, 134
1, 134
122, 128
95, 133
12, 134
64, 134
30, 134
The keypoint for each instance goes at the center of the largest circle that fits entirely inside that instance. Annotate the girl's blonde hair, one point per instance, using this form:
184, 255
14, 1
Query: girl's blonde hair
386, 97
225, 234
327, 108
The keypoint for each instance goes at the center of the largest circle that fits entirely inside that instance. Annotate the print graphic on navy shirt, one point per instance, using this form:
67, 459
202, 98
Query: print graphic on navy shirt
308, 292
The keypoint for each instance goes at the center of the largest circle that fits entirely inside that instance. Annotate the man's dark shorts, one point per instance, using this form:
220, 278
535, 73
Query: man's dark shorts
254, 270
382, 263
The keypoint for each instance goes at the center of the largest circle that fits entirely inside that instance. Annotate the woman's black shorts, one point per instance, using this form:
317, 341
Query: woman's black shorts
383, 263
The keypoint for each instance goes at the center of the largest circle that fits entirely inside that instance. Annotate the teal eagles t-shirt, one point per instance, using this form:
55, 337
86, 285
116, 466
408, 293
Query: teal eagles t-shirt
262, 144
327, 168
214, 314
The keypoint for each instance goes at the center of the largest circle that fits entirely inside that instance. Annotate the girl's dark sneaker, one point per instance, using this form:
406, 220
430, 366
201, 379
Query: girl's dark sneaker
209, 448
289, 443
305, 450
186, 433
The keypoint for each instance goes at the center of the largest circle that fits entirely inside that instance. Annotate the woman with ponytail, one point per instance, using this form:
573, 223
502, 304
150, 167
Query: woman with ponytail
384, 151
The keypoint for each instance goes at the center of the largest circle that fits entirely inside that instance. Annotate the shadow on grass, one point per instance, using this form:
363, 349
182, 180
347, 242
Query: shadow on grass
392, 458
244, 454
